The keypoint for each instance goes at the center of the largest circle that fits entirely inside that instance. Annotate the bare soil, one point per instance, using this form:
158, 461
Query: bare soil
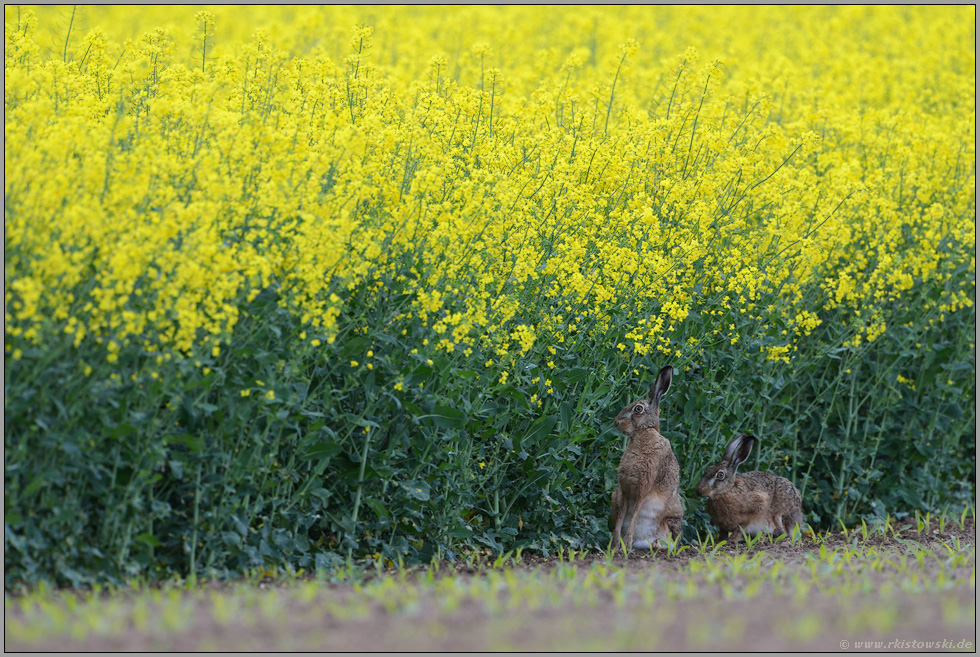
917, 616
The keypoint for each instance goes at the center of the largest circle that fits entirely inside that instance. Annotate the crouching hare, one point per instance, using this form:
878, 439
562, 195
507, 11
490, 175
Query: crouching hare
752, 501
647, 499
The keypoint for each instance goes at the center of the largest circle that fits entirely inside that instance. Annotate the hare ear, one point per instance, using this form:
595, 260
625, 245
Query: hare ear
662, 385
738, 450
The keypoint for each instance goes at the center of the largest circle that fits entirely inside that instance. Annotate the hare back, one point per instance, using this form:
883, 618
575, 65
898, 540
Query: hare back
784, 495
756, 502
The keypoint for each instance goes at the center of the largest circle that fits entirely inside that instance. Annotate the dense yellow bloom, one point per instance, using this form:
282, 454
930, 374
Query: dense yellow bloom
523, 181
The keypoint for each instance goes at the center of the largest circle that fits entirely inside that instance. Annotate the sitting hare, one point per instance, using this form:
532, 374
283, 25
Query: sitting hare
647, 499
753, 501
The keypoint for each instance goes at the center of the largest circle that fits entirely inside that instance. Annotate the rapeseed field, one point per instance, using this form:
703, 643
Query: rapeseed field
288, 283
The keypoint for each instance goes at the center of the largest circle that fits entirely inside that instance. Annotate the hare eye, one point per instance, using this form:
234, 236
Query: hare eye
638, 409
720, 475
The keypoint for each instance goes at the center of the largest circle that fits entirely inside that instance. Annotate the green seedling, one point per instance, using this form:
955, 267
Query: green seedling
969, 510
704, 542
750, 541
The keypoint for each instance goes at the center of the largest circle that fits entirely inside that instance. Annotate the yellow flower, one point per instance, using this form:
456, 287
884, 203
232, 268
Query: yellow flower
573, 242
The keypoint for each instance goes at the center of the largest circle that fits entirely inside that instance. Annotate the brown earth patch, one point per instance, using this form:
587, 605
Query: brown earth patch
914, 614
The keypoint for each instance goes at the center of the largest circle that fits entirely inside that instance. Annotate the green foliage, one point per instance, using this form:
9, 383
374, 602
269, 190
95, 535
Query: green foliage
119, 474
287, 451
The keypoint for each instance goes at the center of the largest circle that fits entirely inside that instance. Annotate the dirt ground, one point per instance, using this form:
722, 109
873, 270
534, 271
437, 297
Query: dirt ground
654, 602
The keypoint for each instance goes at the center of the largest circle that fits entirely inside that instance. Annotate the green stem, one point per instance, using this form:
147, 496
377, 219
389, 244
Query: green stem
197, 506
360, 486
71, 22
612, 94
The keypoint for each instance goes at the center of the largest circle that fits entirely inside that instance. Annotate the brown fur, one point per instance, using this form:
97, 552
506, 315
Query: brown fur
753, 501
648, 470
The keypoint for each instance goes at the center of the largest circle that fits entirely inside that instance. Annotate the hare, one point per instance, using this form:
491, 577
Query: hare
647, 499
753, 501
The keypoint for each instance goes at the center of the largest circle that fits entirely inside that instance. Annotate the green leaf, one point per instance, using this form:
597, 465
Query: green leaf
122, 430
446, 417
541, 428
567, 412
149, 539
240, 526
194, 443
177, 467
327, 561
325, 450
207, 408
356, 348
515, 396
417, 489
378, 508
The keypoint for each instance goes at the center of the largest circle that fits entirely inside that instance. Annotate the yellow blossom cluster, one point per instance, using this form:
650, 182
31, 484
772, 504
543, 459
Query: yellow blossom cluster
522, 175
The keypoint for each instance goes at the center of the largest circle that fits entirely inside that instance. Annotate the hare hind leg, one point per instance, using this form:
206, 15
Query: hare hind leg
674, 515
620, 508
